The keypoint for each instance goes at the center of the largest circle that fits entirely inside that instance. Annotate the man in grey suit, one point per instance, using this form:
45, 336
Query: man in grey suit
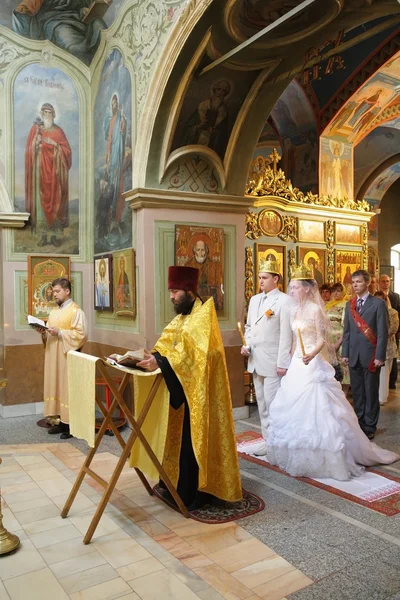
365, 338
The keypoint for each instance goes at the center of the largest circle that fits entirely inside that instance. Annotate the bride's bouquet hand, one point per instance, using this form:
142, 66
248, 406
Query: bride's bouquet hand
307, 358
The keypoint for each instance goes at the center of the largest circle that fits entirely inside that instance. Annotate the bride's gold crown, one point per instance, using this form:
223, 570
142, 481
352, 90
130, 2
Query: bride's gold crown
301, 272
269, 266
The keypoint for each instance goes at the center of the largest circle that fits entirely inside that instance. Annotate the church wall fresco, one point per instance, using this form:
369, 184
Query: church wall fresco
210, 108
380, 144
296, 125
382, 183
113, 156
192, 174
70, 25
47, 106
267, 141
336, 169
357, 116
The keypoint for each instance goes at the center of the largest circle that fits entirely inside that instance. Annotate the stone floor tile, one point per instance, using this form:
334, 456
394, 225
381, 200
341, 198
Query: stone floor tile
140, 568
3, 592
43, 474
282, 586
261, 572
241, 555
29, 504
46, 525
55, 487
119, 549
55, 536
189, 578
24, 496
11, 480
149, 586
217, 540
10, 521
64, 551
12, 468
41, 464
82, 522
229, 587
194, 559
77, 564
109, 590
35, 586
29, 460
87, 579
209, 594
38, 514
191, 528
25, 560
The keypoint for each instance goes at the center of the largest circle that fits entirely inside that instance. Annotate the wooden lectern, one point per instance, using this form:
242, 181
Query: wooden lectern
108, 372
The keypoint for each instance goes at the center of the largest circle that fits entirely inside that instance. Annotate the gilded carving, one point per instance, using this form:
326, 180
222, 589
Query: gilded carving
264, 180
364, 237
249, 275
253, 231
330, 242
290, 229
291, 261
330, 234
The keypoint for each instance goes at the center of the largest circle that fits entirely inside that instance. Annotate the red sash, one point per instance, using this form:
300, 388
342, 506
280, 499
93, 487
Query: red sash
366, 330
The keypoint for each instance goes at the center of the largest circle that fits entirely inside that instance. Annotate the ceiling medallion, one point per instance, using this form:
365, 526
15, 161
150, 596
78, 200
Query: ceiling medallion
267, 180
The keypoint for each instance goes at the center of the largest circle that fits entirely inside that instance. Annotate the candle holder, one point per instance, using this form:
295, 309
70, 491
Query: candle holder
250, 395
8, 541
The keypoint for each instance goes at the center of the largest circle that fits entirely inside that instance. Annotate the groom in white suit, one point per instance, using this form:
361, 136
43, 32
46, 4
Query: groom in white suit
268, 337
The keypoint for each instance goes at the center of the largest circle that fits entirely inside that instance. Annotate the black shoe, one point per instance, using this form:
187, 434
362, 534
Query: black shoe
66, 435
392, 387
56, 429
60, 428
370, 435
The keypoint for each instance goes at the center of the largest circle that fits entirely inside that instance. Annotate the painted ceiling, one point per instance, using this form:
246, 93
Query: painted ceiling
61, 21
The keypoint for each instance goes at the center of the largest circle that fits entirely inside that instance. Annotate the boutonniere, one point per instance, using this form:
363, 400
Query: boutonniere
269, 313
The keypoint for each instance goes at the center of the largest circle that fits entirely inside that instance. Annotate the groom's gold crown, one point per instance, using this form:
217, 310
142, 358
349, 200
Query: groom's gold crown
301, 272
269, 266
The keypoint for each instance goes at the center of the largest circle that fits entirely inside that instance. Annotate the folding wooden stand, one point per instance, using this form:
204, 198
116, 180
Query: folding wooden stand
136, 425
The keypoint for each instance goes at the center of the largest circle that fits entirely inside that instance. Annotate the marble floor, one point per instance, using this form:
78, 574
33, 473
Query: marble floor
306, 545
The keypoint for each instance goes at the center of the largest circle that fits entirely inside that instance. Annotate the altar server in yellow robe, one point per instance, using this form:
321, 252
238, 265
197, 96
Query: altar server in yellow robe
200, 452
67, 330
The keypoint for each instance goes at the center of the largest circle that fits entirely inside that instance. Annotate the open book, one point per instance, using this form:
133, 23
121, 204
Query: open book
35, 322
96, 10
129, 359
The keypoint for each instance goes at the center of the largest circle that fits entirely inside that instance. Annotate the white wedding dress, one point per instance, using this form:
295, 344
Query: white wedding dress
313, 430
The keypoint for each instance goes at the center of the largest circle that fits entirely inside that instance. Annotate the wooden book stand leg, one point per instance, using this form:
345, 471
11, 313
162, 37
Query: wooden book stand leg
136, 425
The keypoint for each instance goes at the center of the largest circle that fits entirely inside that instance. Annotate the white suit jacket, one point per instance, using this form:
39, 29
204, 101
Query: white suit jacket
269, 338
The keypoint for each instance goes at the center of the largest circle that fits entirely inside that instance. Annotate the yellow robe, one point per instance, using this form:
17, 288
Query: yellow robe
193, 346
71, 320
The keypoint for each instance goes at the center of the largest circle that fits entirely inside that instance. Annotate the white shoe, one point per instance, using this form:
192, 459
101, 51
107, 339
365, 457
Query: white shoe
383, 403
261, 450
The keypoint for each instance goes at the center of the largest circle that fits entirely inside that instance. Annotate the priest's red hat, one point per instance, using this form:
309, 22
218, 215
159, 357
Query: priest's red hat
183, 278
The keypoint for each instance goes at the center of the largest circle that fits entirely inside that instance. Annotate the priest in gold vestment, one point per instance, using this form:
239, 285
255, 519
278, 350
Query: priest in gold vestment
67, 330
200, 451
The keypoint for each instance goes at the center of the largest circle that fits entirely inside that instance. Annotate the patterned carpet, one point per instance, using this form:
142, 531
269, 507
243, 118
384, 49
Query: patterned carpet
223, 513
388, 505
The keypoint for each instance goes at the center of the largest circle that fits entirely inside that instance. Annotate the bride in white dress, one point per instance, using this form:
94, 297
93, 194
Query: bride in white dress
313, 431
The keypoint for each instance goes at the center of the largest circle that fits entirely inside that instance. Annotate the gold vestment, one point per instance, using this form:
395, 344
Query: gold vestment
71, 320
193, 346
